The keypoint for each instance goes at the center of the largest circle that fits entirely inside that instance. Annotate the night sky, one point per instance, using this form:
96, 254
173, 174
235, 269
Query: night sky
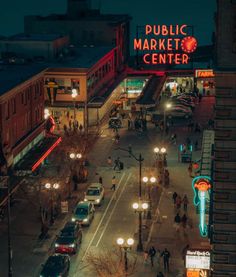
199, 13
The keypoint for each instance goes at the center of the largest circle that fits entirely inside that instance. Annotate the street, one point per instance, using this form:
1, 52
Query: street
116, 217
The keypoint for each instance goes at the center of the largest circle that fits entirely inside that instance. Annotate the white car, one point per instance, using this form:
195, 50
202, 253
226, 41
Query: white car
95, 194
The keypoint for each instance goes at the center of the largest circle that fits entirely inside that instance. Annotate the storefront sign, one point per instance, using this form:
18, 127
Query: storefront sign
198, 259
164, 44
197, 273
208, 73
201, 186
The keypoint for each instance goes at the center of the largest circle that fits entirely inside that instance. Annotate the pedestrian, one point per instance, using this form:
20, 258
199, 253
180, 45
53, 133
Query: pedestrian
166, 256
177, 221
70, 124
190, 169
178, 202
80, 128
109, 161
184, 252
184, 221
100, 180
117, 138
117, 164
174, 197
145, 256
185, 203
113, 183
75, 181
151, 253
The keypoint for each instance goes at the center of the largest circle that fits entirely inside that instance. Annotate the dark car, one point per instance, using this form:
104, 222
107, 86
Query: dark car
69, 239
114, 122
56, 265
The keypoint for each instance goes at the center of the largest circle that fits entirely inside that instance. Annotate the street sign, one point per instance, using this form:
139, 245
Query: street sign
64, 207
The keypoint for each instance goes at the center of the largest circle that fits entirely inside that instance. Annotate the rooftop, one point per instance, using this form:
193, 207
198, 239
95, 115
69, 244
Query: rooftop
33, 37
12, 75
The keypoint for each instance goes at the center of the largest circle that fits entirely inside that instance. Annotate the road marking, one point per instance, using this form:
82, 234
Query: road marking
108, 206
109, 218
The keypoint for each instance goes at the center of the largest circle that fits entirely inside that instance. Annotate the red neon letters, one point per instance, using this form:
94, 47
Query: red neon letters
164, 44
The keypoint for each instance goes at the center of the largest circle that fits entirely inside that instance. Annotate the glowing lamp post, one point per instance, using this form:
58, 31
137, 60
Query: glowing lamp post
160, 160
51, 188
74, 95
140, 207
125, 245
167, 106
202, 187
149, 182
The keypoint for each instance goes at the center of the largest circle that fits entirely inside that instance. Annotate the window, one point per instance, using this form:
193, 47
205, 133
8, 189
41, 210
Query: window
14, 105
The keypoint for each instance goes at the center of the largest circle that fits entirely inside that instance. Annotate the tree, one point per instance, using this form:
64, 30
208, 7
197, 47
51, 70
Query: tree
110, 263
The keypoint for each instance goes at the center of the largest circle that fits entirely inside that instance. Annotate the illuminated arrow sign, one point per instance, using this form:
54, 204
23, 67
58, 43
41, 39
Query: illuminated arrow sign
201, 186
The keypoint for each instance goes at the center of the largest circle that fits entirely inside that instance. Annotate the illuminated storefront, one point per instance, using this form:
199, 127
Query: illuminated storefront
197, 263
205, 80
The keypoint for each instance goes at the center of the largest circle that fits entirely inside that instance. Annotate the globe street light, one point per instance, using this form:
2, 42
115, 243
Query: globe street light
125, 245
161, 160
140, 207
74, 95
149, 182
51, 188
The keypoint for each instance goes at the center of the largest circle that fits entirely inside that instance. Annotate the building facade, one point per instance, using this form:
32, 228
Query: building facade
33, 47
86, 27
90, 77
22, 123
223, 213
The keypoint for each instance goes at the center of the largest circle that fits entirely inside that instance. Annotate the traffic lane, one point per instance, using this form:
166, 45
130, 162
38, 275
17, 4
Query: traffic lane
92, 233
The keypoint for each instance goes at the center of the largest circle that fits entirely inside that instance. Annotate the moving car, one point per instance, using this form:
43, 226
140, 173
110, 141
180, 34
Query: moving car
181, 107
56, 265
95, 194
84, 213
69, 239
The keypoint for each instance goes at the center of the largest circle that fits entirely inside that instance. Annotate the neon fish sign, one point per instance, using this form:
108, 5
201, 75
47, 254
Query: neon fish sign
202, 187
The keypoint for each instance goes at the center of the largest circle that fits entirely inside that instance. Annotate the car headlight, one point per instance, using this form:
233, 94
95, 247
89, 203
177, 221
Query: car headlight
73, 219
97, 200
85, 199
72, 245
56, 244
85, 220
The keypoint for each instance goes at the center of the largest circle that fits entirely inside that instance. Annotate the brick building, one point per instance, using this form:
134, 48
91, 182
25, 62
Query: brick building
223, 215
22, 123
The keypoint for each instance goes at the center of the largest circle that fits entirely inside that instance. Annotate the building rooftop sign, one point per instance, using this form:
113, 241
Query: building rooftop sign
162, 44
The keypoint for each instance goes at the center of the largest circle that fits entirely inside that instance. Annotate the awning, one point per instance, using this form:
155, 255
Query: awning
31, 161
151, 91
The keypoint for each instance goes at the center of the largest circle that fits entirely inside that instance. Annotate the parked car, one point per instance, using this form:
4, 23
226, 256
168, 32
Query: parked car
69, 239
84, 213
95, 194
114, 122
178, 112
56, 265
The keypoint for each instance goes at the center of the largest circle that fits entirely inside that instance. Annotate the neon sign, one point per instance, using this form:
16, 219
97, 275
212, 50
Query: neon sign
207, 73
201, 186
166, 44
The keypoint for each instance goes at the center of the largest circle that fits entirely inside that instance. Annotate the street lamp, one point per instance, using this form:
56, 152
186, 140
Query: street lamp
149, 184
51, 188
125, 245
160, 160
74, 95
166, 107
140, 207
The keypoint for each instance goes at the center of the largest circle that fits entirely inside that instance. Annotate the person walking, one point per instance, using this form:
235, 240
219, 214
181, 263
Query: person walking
185, 203
184, 221
145, 256
190, 169
151, 253
177, 221
178, 202
166, 256
109, 161
113, 183
100, 180
117, 164
174, 196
